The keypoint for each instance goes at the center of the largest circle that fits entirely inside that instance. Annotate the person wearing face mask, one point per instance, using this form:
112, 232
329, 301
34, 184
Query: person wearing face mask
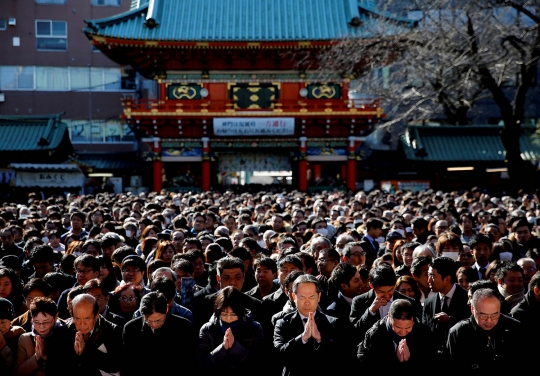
231, 342
131, 234
320, 226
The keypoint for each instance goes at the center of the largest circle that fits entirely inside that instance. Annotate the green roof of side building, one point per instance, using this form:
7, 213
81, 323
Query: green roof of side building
473, 143
31, 133
244, 20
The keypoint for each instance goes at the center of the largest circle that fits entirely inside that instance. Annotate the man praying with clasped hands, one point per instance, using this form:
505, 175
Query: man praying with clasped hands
307, 334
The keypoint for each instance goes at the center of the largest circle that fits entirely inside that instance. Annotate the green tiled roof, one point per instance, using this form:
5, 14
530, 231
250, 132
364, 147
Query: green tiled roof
473, 143
242, 20
31, 133
108, 161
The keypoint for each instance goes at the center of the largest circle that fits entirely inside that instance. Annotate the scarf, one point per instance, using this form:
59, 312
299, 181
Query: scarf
226, 325
512, 300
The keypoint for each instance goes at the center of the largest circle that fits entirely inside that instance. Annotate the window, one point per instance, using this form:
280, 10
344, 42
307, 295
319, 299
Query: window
16, 78
51, 35
66, 78
114, 3
50, 1
3, 24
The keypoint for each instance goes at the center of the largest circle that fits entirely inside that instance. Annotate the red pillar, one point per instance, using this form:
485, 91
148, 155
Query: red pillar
205, 164
302, 165
158, 165
351, 166
317, 171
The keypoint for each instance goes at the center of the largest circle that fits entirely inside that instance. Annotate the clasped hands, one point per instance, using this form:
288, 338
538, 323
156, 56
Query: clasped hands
79, 343
311, 330
402, 351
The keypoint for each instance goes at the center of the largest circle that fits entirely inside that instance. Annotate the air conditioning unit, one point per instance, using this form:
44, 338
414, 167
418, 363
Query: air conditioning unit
12, 22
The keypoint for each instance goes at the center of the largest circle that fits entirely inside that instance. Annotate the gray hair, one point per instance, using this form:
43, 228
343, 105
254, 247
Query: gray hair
483, 294
347, 237
306, 278
164, 269
423, 248
321, 240
253, 228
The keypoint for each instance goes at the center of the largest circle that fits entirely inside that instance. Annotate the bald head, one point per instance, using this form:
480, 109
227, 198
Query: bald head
85, 299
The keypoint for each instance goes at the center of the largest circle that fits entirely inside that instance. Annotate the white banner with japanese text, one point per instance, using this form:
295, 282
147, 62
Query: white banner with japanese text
254, 126
49, 179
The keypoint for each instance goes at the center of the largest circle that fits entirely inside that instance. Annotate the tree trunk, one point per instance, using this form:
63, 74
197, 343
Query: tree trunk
520, 171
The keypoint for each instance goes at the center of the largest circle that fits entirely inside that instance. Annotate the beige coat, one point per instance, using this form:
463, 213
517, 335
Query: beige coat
26, 358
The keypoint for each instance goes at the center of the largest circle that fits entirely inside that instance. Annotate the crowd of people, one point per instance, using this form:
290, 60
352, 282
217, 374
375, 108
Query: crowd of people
292, 282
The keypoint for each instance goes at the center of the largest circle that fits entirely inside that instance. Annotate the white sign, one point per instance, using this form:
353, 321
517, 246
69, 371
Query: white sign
254, 127
49, 179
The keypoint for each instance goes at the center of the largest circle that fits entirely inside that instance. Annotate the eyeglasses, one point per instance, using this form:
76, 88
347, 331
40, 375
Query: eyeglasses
228, 315
126, 299
43, 323
358, 254
530, 270
485, 316
178, 239
99, 298
132, 271
154, 322
84, 271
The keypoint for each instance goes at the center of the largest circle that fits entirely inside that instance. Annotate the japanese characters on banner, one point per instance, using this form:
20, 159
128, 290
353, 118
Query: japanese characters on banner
254, 127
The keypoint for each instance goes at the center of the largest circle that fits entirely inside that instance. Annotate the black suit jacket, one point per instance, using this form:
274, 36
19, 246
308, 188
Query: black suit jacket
115, 319
371, 251
363, 320
158, 352
62, 359
340, 308
457, 310
378, 348
312, 357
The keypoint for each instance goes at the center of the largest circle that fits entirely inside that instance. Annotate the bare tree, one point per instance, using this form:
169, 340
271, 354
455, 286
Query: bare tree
456, 54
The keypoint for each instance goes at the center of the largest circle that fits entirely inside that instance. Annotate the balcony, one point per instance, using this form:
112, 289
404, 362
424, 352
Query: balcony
205, 107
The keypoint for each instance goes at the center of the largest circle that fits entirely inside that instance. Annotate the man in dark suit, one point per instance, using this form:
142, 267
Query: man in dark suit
273, 303
230, 272
444, 309
166, 338
369, 242
86, 346
346, 279
372, 306
481, 248
398, 342
97, 289
307, 337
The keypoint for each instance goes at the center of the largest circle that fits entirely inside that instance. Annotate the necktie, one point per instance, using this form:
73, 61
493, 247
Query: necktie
444, 305
304, 320
483, 272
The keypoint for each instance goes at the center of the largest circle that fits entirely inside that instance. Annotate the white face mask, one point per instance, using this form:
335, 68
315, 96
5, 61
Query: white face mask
261, 243
177, 202
45, 239
128, 233
380, 239
138, 233
167, 220
323, 231
340, 250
